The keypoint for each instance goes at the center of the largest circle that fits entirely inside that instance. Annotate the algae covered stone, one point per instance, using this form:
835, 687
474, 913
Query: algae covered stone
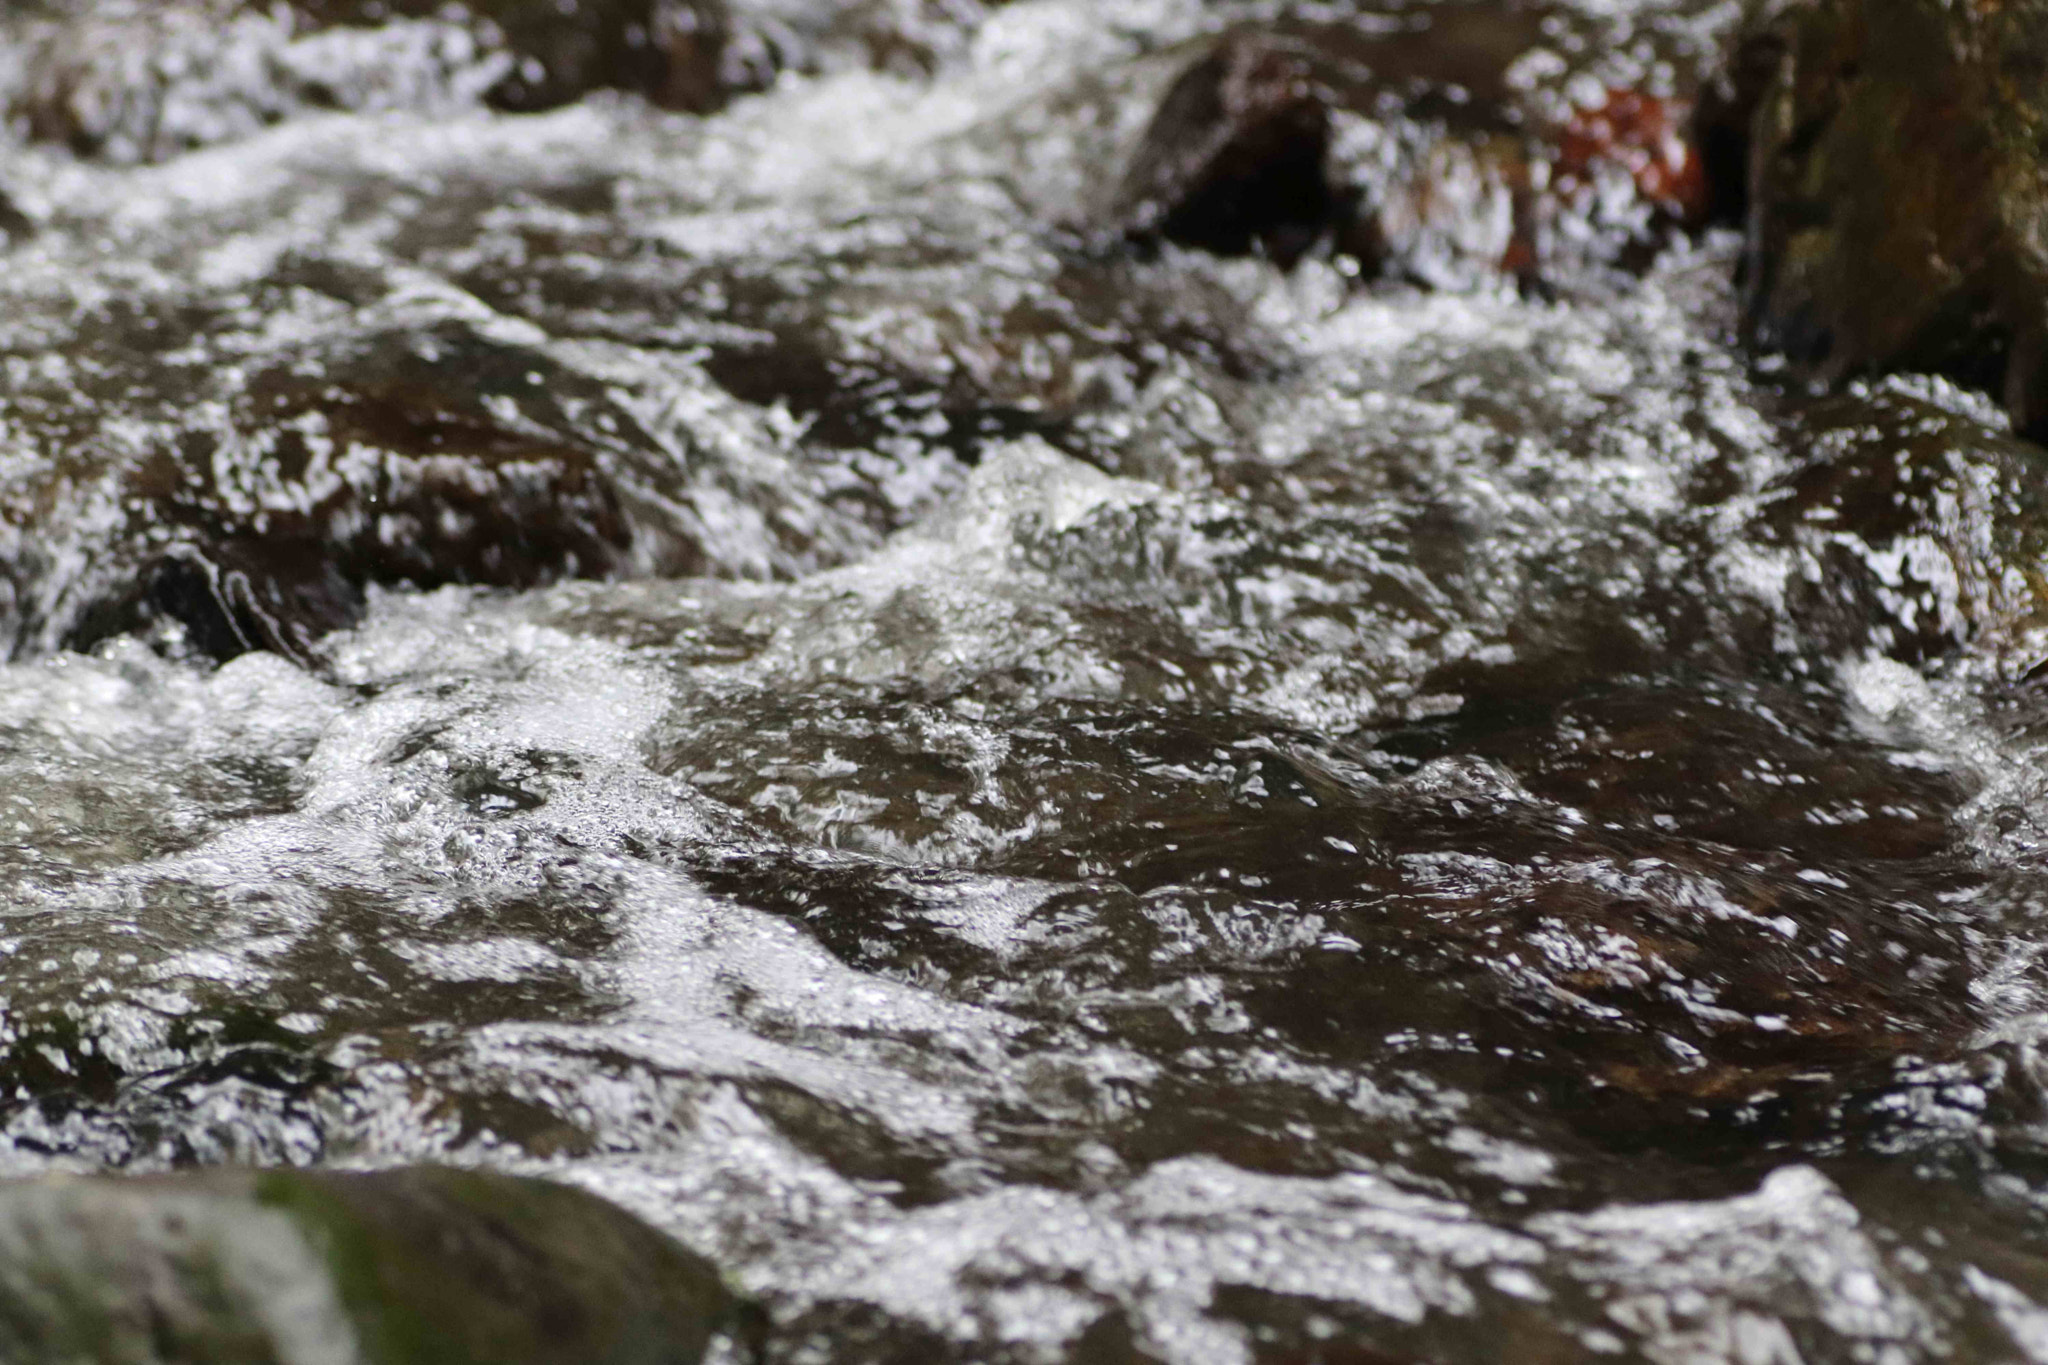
310, 1267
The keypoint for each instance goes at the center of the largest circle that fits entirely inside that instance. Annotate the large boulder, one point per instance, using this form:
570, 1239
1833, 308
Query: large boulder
1898, 194
415, 1265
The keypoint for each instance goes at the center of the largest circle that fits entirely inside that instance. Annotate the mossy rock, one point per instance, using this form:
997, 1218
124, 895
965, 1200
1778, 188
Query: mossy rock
1898, 191
405, 1267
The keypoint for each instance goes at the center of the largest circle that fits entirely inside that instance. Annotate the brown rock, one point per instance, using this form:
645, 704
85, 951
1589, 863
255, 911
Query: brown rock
1898, 192
1417, 145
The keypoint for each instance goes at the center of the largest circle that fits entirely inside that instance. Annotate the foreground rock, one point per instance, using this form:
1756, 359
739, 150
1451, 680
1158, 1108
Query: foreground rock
415, 1265
1898, 194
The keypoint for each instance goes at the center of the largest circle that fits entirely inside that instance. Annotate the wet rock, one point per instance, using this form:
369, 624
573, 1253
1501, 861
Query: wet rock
1445, 146
1642, 941
252, 501
141, 83
712, 50
236, 596
402, 459
1918, 526
1897, 193
969, 337
144, 83
1235, 156
15, 223
553, 52
411, 1265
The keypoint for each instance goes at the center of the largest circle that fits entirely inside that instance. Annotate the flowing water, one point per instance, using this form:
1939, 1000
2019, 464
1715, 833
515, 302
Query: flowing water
1034, 798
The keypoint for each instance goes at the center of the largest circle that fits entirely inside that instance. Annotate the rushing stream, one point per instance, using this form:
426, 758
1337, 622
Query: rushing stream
1034, 795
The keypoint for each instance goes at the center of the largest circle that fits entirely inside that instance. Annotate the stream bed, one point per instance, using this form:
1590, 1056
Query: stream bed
1035, 780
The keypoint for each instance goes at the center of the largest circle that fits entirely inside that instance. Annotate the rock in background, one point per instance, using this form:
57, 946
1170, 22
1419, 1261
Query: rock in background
1452, 146
130, 82
1898, 213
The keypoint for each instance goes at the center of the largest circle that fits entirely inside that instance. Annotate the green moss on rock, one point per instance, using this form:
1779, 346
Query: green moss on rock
401, 1267
449, 1267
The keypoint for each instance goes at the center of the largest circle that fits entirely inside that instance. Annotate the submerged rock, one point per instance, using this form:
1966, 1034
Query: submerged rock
256, 514
1898, 193
294, 1267
1918, 524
